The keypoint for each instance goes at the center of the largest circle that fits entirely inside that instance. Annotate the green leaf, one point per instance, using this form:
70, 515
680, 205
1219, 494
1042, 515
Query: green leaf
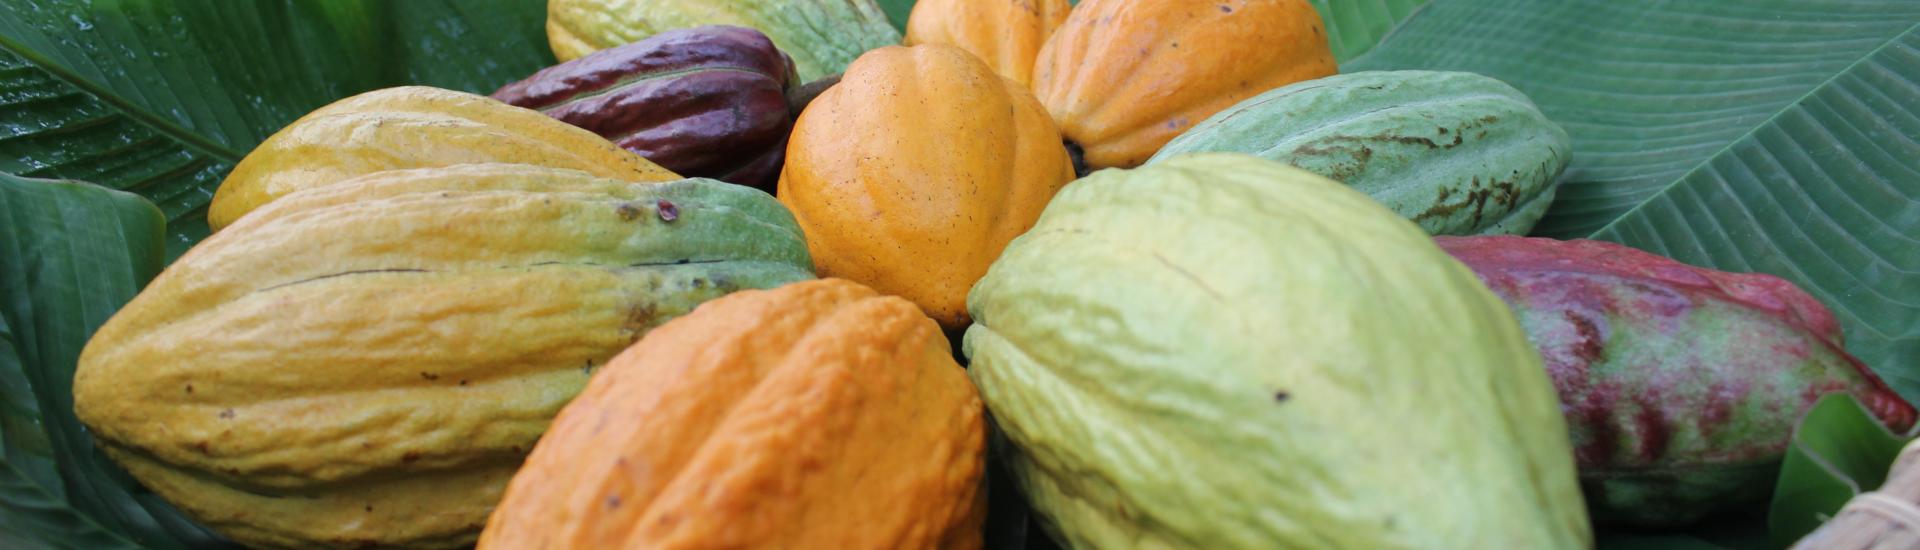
162, 98
897, 12
1776, 136
70, 255
1837, 451
474, 46
1355, 26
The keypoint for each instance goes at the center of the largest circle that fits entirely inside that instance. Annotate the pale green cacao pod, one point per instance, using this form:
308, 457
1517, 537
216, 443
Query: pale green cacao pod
1219, 351
1457, 153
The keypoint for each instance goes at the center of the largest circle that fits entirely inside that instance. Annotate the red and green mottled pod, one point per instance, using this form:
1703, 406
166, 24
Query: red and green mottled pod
703, 102
1681, 385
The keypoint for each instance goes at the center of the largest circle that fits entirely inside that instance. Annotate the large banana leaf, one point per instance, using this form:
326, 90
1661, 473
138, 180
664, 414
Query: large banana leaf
161, 98
73, 252
1777, 136
1354, 26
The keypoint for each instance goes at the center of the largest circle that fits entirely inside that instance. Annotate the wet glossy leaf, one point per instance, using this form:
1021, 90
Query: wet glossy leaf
161, 98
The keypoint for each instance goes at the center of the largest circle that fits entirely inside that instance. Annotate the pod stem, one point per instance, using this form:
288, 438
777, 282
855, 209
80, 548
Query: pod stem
798, 98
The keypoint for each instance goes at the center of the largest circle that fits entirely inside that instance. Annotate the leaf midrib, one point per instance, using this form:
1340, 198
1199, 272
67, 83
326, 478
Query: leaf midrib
122, 105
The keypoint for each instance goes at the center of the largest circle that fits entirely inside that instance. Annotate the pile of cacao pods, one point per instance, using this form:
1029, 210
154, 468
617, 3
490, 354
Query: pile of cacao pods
758, 273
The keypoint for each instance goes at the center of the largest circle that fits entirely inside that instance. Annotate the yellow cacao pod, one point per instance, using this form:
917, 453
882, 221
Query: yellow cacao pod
367, 363
413, 127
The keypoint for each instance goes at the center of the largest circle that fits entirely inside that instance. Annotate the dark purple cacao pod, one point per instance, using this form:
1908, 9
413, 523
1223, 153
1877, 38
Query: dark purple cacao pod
703, 102
1681, 385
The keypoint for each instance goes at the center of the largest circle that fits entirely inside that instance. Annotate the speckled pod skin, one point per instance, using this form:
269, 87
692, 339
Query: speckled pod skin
366, 363
1457, 153
1681, 385
1221, 351
413, 127
815, 415
823, 36
707, 102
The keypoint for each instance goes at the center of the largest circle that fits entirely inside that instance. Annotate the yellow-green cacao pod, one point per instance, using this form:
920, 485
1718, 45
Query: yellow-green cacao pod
822, 36
413, 127
1457, 153
367, 363
1221, 351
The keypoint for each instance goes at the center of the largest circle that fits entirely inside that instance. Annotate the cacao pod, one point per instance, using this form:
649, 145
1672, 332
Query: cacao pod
1123, 77
1221, 351
816, 415
1457, 153
823, 36
913, 172
366, 363
1681, 385
1007, 34
707, 102
412, 127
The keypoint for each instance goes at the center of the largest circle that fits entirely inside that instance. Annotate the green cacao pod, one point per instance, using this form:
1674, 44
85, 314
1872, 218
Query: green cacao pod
367, 363
1681, 385
1457, 153
823, 36
1219, 351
